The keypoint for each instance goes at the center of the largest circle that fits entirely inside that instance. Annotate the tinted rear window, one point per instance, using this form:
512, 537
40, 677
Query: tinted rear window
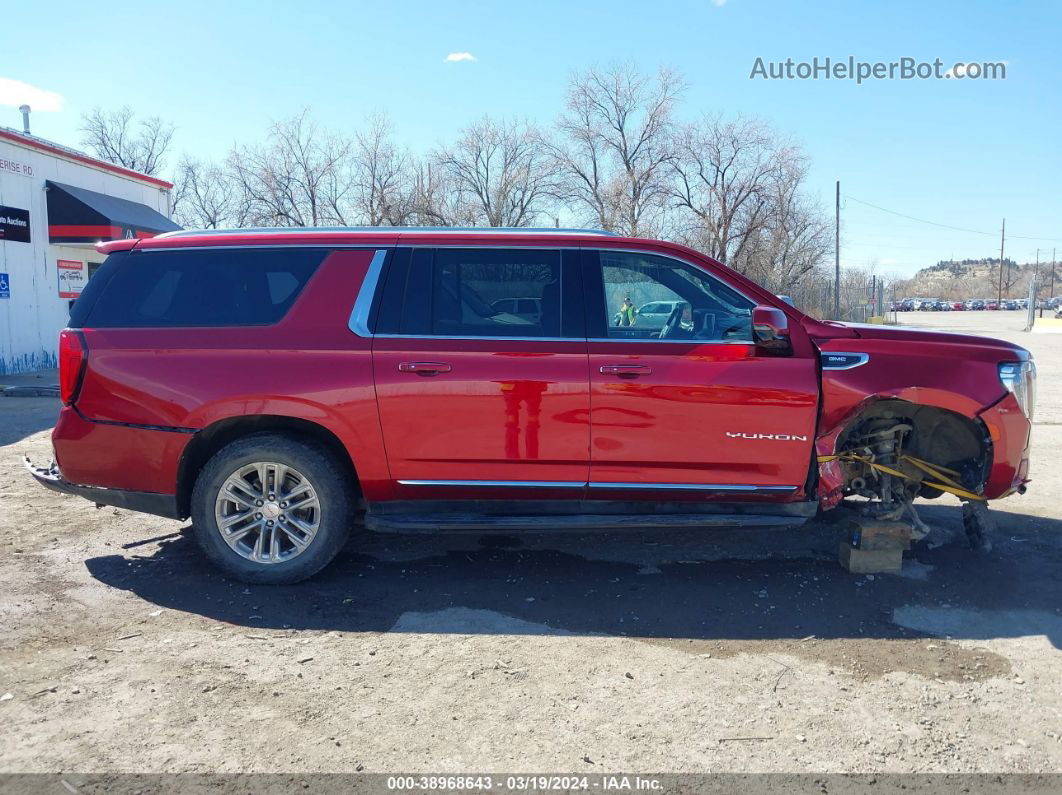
187, 287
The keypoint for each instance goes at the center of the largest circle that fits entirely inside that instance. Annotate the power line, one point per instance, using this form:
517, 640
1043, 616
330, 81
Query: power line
945, 226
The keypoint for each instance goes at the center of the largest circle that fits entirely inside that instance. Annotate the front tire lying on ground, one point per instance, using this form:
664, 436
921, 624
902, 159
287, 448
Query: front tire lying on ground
271, 509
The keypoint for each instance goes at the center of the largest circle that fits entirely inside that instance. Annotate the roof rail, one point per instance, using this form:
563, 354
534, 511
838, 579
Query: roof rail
404, 230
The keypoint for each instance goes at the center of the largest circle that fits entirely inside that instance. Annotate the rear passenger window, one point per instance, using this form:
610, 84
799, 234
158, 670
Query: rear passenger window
219, 287
496, 293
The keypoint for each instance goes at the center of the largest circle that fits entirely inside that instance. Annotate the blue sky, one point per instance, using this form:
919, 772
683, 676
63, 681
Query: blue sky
963, 153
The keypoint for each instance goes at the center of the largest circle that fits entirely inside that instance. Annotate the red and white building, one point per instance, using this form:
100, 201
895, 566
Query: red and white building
55, 205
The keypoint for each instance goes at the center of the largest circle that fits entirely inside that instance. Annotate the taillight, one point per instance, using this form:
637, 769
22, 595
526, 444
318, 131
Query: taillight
73, 355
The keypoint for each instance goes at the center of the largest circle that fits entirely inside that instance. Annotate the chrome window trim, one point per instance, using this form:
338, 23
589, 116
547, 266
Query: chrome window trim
670, 342
861, 359
359, 315
359, 324
497, 339
723, 487
518, 484
563, 339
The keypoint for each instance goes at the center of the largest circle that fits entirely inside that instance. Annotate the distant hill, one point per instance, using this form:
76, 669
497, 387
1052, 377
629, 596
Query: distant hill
962, 279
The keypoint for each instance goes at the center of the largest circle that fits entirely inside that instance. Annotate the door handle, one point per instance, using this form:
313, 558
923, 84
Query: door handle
626, 370
424, 368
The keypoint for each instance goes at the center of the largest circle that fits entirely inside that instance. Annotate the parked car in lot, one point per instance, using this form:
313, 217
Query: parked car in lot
977, 304
991, 304
1010, 304
282, 387
655, 314
958, 306
529, 309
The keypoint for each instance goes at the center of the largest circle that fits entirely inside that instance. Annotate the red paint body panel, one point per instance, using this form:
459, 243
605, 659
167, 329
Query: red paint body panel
959, 377
955, 372
507, 410
517, 410
192, 377
116, 456
670, 424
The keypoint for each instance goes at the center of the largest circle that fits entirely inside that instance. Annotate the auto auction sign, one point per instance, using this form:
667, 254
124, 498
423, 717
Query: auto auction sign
72, 277
14, 225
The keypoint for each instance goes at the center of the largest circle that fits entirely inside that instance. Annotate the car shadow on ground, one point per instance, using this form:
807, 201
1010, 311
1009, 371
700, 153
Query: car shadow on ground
731, 585
24, 416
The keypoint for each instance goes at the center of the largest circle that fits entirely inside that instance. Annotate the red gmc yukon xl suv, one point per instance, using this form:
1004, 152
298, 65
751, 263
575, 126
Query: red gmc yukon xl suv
282, 386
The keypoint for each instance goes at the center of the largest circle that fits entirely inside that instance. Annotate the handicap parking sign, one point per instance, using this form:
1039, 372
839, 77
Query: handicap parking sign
5, 286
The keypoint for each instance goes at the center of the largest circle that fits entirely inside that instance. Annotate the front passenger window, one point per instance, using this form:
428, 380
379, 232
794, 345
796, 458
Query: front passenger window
657, 298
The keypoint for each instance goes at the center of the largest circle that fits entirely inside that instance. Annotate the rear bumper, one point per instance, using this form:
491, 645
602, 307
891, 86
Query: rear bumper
142, 501
1009, 430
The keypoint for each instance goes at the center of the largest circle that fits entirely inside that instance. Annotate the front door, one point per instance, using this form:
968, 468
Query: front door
682, 405
480, 365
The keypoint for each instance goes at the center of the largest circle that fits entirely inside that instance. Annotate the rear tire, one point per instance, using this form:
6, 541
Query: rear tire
246, 524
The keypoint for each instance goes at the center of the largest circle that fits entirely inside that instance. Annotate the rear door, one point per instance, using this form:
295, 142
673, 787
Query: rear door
476, 401
688, 407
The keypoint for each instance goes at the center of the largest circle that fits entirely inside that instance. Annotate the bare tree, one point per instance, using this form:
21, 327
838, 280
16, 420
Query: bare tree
499, 171
724, 177
796, 235
383, 181
300, 176
616, 145
115, 137
436, 201
205, 196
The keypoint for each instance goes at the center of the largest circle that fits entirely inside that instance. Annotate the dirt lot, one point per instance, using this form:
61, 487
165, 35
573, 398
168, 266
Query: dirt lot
730, 651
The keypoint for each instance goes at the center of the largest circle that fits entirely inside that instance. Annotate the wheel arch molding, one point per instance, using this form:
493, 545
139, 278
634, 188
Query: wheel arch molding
207, 441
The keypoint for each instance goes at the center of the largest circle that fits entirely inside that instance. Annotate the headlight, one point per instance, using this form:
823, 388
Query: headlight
1020, 379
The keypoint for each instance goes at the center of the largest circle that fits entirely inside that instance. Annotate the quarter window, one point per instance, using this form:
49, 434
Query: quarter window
189, 287
656, 298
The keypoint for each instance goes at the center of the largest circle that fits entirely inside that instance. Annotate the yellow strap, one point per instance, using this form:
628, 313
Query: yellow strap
948, 486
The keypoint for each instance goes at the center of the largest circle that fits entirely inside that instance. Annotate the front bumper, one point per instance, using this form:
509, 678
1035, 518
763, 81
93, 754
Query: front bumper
142, 501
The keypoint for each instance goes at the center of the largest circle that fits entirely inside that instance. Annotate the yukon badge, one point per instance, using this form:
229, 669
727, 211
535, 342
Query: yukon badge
776, 437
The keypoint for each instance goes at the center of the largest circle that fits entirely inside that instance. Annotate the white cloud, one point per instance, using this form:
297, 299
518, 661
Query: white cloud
718, 2
457, 57
15, 93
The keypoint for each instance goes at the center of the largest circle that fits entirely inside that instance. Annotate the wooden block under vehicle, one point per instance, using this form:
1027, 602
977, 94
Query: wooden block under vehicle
870, 561
876, 534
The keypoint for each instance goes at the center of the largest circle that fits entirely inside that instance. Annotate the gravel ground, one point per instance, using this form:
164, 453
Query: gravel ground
122, 651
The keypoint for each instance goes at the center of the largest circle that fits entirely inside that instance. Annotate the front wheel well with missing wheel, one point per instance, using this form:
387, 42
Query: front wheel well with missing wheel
943, 438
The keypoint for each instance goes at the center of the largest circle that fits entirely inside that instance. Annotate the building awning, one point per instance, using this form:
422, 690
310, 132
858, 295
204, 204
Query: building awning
78, 215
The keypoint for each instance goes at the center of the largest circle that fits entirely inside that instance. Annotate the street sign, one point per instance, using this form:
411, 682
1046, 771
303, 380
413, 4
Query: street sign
5, 286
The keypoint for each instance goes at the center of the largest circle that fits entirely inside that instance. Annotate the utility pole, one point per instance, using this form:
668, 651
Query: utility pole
837, 256
1002, 238
1051, 294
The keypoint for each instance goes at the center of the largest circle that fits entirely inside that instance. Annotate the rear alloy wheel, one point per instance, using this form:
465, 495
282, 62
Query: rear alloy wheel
270, 509
267, 512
